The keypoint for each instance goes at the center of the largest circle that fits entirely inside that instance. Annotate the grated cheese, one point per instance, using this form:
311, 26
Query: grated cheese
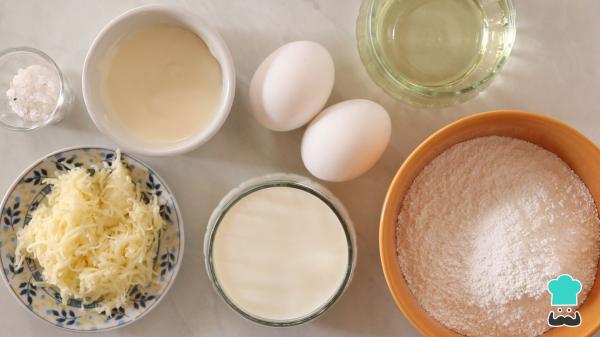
94, 237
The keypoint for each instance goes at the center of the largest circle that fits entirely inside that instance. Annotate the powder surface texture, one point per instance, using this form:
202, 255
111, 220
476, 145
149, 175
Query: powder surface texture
485, 226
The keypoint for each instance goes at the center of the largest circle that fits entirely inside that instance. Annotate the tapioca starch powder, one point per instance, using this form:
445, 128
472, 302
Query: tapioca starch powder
485, 226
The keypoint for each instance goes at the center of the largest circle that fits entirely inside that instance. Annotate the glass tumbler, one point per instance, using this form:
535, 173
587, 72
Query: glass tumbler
290, 181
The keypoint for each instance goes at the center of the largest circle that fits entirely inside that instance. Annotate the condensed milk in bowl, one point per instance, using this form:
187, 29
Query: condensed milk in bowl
158, 80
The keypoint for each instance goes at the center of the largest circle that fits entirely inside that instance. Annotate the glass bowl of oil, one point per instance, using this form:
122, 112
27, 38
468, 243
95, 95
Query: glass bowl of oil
435, 52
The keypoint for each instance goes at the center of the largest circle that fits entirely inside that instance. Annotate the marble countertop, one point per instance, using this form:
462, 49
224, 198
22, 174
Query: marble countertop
553, 70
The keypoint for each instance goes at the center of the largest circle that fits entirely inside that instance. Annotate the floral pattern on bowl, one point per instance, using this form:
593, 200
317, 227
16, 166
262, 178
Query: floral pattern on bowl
45, 302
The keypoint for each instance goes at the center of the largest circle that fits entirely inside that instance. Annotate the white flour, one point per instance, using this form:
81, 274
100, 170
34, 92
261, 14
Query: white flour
485, 226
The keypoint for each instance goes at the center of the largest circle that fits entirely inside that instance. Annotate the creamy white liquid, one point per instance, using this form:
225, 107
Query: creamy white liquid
162, 84
280, 253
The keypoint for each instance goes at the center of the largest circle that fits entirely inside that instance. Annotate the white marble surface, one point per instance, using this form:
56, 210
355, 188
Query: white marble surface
553, 69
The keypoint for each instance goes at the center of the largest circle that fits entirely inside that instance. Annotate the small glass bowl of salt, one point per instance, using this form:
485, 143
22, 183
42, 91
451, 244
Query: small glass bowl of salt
33, 90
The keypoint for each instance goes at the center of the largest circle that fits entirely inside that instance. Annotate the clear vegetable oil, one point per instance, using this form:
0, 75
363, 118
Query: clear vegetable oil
432, 43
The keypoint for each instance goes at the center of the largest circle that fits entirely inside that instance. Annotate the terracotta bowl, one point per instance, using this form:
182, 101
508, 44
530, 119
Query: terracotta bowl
576, 150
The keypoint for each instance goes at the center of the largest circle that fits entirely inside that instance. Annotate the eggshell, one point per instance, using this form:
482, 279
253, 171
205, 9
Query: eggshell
292, 85
346, 140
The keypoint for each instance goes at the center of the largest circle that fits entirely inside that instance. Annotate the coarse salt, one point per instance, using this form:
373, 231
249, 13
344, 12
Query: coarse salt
33, 93
485, 226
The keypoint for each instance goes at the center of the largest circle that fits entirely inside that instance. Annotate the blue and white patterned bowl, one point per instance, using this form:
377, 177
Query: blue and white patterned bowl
45, 302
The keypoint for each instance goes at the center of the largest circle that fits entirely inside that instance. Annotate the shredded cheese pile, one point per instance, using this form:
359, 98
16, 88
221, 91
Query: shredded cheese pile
94, 237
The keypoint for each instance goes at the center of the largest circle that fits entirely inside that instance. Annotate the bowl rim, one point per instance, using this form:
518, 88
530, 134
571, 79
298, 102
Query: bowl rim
220, 51
176, 268
387, 253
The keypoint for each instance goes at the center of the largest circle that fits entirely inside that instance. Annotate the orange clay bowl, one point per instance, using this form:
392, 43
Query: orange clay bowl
576, 150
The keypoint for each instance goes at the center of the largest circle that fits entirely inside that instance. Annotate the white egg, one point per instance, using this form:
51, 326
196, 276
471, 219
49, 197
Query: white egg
292, 85
346, 140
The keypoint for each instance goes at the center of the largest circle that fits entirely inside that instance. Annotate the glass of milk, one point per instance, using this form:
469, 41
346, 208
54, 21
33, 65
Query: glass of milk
280, 250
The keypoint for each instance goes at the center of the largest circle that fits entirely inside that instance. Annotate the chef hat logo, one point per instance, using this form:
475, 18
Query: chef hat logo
564, 290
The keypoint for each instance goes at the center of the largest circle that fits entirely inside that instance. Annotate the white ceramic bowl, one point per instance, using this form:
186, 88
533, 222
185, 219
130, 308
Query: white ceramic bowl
139, 18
